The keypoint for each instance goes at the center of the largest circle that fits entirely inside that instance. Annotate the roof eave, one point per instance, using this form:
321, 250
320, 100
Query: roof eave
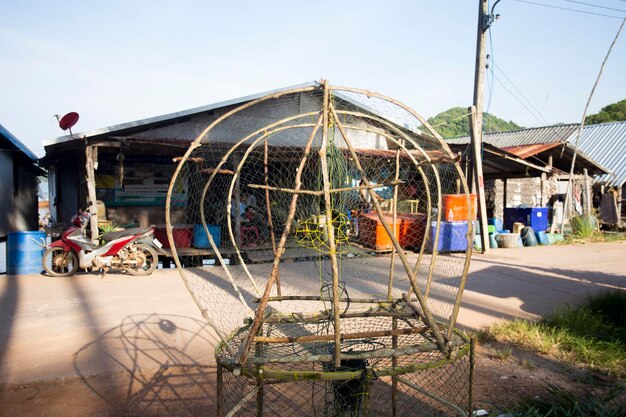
18, 144
171, 116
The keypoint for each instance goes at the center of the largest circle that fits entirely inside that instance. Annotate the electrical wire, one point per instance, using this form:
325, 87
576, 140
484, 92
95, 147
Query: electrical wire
595, 5
518, 99
520, 92
566, 8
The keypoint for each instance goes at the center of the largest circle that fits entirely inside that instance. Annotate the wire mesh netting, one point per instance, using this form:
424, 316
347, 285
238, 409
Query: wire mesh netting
340, 235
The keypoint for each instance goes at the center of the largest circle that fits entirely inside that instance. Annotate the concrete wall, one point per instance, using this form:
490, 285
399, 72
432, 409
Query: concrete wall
530, 192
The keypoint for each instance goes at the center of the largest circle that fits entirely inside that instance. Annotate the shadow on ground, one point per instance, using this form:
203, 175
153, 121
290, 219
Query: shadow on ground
163, 366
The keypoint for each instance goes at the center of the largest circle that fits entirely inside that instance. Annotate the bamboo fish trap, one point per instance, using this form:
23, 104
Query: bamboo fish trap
336, 282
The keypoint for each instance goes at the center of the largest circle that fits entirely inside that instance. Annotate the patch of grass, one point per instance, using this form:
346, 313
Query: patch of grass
595, 237
484, 336
593, 335
504, 353
583, 226
612, 236
611, 306
559, 402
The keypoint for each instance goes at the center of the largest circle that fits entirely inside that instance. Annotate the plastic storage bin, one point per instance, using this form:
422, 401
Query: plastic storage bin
182, 235
412, 230
497, 223
201, 240
535, 217
372, 233
455, 207
508, 240
452, 236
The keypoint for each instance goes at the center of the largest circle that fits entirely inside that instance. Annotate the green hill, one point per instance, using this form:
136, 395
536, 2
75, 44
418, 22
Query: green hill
455, 122
615, 112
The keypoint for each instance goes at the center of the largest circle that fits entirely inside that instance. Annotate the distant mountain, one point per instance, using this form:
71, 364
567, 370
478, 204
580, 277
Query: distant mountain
455, 122
615, 112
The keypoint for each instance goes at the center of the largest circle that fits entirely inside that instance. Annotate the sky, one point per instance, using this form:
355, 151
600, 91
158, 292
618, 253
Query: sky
119, 61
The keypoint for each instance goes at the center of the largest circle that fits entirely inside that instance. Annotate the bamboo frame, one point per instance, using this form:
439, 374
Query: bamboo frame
424, 178
320, 298
330, 191
240, 363
439, 140
345, 336
429, 320
324, 314
245, 348
330, 230
268, 206
209, 182
394, 214
234, 185
462, 346
431, 270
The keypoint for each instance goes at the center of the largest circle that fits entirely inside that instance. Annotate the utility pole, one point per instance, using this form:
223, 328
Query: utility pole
484, 21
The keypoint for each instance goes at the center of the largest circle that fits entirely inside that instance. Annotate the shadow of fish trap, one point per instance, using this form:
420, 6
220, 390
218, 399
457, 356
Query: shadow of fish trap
333, 273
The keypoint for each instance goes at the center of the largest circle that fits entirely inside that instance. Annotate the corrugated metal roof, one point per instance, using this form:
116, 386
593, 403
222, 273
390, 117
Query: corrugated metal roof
528, 142
526, 151
19, 145
606, 144
170, 116
531, 136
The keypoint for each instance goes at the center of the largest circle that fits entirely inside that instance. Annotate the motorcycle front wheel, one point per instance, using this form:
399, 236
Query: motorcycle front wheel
59, 263
141, 260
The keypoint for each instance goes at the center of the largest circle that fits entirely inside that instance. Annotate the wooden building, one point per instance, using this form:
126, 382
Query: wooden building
19, 174
544, 156
134, 162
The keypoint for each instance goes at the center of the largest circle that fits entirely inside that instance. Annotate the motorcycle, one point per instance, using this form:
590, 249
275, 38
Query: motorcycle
133, 250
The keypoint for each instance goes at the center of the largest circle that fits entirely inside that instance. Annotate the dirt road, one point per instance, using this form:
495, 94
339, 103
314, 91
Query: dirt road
85, 325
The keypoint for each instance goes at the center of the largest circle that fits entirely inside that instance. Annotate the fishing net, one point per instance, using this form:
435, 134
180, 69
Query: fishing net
339, 237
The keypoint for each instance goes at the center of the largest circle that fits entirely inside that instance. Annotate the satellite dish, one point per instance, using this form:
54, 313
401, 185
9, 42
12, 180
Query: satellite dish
68, 121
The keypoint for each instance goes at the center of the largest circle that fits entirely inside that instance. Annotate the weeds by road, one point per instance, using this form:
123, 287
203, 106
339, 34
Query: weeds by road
591, 336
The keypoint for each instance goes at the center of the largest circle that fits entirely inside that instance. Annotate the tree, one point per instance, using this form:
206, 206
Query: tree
615, 112
455, 122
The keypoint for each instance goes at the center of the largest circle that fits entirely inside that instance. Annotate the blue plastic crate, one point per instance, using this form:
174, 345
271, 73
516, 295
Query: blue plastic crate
497, 223
201, 240
535, 217
452, 236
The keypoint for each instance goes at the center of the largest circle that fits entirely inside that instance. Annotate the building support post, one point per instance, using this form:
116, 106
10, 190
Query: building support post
587, 206
620, 196
90, 157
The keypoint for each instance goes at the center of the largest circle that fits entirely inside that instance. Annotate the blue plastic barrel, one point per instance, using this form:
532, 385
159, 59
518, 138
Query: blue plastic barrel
528, 236
200, 238
493, 243
24, 252
542, 238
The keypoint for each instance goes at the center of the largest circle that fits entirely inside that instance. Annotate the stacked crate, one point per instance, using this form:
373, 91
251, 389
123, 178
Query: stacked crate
456, 215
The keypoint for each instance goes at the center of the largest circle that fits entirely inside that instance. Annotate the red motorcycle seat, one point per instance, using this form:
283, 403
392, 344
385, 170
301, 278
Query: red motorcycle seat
133, 231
